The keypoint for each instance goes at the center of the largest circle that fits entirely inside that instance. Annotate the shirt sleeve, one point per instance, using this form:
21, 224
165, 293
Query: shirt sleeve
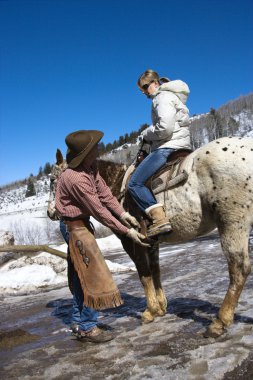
106, 197
86, 195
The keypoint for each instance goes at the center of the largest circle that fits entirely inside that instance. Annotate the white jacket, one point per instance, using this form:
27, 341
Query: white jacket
170, 117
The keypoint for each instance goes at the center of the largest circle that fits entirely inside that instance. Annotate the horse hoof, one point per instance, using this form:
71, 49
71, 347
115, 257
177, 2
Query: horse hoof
146, 321
147, 317
215, 330
161, 313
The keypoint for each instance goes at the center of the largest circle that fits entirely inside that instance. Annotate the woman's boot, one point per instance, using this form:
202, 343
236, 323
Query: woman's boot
160, 223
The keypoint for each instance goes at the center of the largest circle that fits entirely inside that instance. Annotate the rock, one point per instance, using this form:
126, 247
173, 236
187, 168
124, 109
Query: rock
6, 238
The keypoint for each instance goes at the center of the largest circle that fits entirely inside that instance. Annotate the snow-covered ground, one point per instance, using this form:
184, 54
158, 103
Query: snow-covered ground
35, 341
26, 218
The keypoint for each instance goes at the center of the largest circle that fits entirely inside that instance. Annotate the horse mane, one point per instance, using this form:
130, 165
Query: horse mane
113, 174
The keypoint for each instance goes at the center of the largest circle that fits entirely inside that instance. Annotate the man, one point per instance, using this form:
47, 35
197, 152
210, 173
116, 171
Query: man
81, 193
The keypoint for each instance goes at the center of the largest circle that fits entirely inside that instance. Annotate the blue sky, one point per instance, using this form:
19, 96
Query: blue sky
73, 64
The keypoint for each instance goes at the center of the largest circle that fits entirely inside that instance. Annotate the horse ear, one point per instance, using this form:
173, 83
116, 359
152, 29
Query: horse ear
59, 157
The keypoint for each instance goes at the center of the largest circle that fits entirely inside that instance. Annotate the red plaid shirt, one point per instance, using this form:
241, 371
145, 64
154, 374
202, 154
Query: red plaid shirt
82, 192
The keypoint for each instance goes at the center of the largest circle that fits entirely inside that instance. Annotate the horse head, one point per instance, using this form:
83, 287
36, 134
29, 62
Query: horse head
57, 169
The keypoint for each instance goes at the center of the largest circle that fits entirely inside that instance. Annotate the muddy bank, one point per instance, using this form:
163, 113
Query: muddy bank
36, 342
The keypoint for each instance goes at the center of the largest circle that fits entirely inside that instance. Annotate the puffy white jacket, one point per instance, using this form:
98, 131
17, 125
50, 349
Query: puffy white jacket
170, 117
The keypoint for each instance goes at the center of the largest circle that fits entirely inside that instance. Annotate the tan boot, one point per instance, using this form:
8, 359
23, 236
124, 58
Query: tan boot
160, 224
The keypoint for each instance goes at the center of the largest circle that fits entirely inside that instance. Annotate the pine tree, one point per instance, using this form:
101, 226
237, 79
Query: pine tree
101, 148
121, 140
108, 147
47, 168
30, 191
40, 173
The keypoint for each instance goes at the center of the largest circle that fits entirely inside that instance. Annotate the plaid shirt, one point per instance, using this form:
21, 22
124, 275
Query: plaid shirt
82, 192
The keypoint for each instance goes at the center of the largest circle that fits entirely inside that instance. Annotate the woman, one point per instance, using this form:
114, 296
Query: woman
169, 131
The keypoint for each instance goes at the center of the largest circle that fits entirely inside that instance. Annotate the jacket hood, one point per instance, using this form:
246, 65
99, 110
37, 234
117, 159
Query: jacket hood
178, 87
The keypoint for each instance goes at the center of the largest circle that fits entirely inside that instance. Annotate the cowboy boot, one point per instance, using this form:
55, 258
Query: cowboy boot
160, 224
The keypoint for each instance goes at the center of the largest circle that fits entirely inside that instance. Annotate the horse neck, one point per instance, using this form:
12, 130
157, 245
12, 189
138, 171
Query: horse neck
113, 174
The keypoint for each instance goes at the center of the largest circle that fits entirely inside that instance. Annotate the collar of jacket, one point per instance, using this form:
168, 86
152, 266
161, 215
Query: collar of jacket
177, 87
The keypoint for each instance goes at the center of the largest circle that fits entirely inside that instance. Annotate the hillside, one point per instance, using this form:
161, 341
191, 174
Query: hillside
15, 200
232, 119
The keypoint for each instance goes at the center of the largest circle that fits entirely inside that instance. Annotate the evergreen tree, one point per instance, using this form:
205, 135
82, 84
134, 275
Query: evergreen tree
30, 191
40, 173
133, 137
115, 144
121, 140
47, 168
142, 127
108, 147
101, 148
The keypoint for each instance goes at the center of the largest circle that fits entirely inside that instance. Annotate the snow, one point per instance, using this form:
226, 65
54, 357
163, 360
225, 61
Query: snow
28, 273
29, 278
245, 120
199, 116
109, 243
27, 219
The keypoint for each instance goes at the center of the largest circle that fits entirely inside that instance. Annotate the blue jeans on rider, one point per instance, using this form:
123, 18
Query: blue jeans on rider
149, 166
85, 317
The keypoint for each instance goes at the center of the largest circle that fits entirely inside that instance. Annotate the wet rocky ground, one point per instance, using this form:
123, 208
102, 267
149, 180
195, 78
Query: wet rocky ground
35, 342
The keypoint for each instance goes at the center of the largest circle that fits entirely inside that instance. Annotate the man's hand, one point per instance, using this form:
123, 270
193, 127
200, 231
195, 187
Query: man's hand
129, 220
137, 237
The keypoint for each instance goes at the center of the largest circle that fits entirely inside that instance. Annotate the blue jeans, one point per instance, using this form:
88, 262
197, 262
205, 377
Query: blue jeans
150, 165
85, 317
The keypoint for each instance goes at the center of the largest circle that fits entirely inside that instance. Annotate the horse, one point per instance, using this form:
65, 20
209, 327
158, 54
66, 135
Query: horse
217, 193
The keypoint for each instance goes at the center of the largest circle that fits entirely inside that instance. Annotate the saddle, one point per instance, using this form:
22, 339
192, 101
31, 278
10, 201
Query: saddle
170, 175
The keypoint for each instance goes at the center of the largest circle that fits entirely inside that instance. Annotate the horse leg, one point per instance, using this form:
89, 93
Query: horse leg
234, 243
153, 306
156, 275
140, 257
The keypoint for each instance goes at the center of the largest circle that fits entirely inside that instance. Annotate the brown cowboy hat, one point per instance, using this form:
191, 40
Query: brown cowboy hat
80, 144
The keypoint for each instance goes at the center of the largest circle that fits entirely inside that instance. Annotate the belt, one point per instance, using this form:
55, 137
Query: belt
77, 223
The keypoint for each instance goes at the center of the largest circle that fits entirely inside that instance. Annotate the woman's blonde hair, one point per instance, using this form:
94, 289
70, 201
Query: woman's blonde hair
147, 77
150, 76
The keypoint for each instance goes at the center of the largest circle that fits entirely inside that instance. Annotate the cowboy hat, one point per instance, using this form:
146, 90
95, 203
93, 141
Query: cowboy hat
80, 143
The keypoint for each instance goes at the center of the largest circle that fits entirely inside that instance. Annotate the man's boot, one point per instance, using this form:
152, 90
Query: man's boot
160, 224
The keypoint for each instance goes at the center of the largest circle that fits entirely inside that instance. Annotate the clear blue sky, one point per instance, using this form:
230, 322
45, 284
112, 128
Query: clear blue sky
73, 64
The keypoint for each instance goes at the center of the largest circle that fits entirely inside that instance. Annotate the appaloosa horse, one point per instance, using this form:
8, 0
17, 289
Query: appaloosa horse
218, 193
